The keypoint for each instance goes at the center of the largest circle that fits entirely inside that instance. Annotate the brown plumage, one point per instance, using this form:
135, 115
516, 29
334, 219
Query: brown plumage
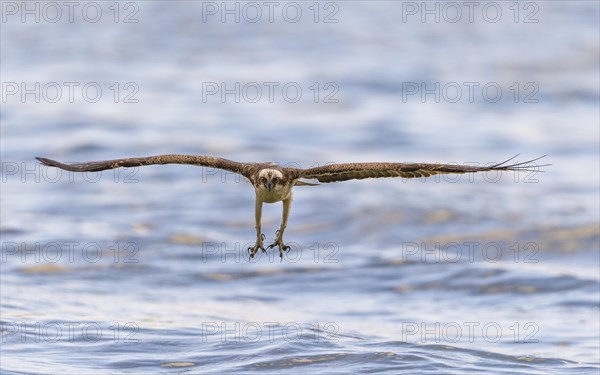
273, 183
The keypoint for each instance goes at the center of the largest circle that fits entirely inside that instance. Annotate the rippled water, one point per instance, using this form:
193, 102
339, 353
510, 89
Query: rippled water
145, 270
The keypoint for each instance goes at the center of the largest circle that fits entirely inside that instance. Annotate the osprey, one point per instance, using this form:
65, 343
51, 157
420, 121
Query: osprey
273, 183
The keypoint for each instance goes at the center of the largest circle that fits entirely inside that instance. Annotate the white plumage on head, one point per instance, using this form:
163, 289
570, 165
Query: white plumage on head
269, 173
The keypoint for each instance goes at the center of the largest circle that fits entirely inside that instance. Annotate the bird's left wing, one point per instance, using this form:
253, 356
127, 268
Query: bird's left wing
199, 160
358, 171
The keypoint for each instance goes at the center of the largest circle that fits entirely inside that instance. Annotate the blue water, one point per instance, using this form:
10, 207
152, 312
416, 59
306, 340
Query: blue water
145, 270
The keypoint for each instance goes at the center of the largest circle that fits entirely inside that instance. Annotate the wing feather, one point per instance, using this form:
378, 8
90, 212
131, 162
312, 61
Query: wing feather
358, 171
198, 160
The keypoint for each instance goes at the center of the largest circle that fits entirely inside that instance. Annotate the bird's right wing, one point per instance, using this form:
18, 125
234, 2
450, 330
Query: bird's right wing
199, 160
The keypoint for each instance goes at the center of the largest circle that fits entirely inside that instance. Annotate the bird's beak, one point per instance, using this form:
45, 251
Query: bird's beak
269, 185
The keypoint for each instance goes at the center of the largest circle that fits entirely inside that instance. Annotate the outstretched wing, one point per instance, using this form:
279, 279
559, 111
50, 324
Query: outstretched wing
199, 160
358, 171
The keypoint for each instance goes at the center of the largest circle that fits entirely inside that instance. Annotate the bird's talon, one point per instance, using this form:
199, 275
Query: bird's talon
253, 250
282, 248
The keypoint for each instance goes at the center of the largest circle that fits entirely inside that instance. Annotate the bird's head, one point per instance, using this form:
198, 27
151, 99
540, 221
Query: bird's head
270, 179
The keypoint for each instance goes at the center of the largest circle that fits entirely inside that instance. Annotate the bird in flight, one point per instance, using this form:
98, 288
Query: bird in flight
273, 183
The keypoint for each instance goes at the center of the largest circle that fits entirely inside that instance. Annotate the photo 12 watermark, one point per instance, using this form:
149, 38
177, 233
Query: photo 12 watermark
470, 92
269, 332
526, 12
323, 253
70, 92
252, 12
470, 252
15, 332
70, 252
35, 172
269, 92
468, 332
51, 12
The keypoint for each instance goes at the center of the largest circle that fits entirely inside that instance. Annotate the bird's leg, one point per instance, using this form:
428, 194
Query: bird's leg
259, 236
287, 203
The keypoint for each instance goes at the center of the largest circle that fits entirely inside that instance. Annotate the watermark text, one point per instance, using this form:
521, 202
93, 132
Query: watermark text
525, 12
69, 11
69, 92
269, 92
453, 332
69, 252
35, 332
251, 332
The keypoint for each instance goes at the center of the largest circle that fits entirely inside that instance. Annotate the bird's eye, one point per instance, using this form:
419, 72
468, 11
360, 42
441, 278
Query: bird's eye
275, 179
263, 179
